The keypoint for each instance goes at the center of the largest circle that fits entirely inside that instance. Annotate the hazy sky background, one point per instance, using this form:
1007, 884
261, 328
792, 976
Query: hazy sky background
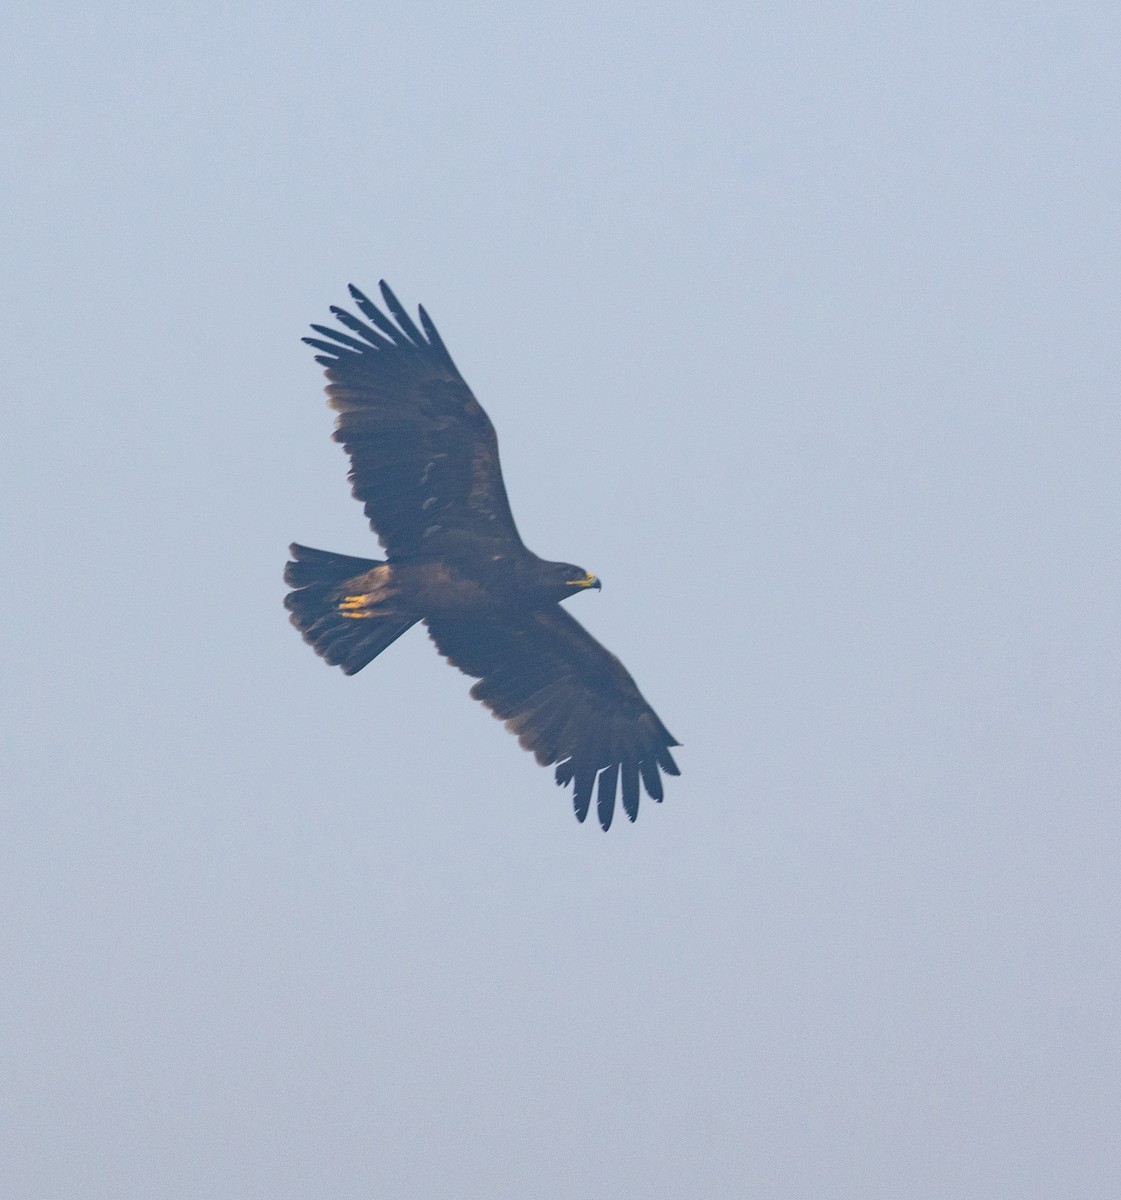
799, 324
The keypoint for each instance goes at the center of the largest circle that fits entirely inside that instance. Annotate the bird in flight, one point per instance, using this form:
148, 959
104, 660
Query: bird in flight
424, 464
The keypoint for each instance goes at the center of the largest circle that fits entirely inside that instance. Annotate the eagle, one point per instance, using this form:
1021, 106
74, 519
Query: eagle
424, 464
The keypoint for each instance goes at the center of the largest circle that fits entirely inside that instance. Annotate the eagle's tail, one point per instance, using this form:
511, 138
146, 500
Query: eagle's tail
345, 607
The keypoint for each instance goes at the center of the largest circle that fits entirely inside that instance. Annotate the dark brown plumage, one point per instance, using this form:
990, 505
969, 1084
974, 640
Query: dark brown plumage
424, 463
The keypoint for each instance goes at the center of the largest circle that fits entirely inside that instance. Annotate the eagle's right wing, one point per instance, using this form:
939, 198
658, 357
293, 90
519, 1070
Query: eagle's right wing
423, 453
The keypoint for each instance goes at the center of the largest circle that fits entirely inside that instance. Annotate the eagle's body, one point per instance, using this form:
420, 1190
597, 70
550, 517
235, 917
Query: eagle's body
424, 462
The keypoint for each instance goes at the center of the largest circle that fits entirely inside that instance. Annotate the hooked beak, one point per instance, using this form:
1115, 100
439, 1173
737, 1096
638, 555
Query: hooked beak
589, 581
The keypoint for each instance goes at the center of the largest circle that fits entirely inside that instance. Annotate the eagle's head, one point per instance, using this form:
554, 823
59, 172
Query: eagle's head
557, 581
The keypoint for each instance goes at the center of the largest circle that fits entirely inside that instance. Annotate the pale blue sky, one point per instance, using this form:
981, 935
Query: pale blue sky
799, 326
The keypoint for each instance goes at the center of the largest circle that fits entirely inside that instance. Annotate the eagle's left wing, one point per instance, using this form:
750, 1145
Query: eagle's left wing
569, 700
